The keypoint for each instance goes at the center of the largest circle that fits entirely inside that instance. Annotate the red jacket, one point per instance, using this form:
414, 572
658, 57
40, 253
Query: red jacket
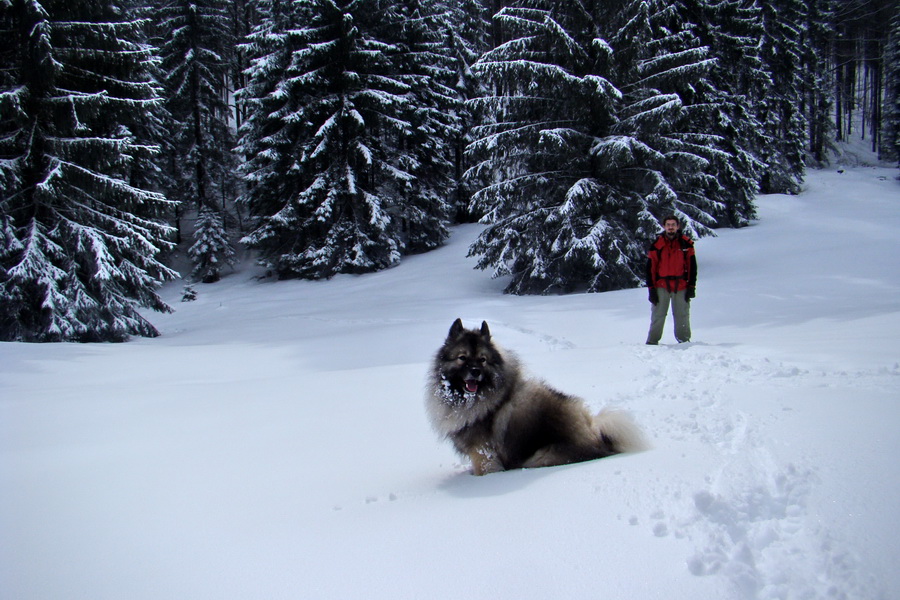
671, 264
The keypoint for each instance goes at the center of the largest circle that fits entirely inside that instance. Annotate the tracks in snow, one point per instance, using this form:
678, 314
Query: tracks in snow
752, 517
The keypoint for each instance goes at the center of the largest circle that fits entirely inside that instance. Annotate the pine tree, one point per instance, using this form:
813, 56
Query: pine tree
336, 176
267, 140
731, 29
816, 39
465, 39
244, 17
785, 127
79, 244
665, 113
211, 250
152, 123
196, 47
425, 149
561, 214
890, 140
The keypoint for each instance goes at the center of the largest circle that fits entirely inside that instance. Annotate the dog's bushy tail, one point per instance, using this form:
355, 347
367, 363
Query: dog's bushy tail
620, 430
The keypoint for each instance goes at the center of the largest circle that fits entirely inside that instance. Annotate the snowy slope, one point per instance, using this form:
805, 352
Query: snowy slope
273, 442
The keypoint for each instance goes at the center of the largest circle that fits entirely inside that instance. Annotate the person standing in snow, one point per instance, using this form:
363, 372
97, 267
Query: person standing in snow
671, 279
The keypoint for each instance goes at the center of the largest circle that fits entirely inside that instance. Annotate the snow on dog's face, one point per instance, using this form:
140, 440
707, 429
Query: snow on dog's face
468, 363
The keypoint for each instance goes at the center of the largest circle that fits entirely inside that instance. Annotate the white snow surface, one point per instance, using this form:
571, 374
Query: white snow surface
273, 442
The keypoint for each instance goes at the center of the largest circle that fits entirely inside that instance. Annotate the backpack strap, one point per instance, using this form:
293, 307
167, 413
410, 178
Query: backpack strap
690, 264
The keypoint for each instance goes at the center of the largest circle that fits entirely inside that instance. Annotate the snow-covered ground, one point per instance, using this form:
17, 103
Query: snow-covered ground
273, 442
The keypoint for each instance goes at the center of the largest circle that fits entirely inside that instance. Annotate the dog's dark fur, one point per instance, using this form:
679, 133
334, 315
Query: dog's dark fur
479, 399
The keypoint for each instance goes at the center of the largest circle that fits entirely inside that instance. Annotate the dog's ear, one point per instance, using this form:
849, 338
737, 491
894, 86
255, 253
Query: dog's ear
485, 332
455, 329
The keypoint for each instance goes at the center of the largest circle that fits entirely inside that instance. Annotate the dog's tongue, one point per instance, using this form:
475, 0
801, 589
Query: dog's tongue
471, 385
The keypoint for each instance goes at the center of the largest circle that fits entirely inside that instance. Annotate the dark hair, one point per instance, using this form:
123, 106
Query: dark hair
670, 218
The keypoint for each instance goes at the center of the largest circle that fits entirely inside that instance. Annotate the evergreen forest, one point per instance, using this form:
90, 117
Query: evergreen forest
338, 136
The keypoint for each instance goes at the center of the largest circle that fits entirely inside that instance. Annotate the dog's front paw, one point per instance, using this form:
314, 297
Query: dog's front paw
484, 461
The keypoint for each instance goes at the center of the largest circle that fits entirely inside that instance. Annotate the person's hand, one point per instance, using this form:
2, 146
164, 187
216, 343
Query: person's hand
690, 293
654, 297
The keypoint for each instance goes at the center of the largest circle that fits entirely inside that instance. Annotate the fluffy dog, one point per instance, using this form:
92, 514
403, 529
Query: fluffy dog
480, 400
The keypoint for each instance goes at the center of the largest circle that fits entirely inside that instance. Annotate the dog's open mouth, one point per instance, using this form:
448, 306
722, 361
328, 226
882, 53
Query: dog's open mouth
471, 385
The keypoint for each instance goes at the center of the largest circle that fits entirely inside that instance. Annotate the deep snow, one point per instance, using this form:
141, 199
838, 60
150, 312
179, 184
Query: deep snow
273, 442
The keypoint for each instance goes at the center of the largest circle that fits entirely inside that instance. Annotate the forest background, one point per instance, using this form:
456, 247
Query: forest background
333, 136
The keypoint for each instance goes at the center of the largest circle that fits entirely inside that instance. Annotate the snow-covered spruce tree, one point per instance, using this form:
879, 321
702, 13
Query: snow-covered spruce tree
243, 16
267, 140
817, 35
150, 124
731, 29
466, 38
330, 139
785, 128
196, 43
890, 138
79, 246
424, 201
662, 145
211, 250
562, 213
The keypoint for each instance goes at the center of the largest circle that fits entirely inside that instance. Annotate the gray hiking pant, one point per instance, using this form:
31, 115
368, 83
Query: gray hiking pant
681, 313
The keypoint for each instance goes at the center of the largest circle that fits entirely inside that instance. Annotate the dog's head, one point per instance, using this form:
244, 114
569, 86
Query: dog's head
469, 363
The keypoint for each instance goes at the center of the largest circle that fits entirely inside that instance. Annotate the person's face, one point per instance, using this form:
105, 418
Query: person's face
671, 227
